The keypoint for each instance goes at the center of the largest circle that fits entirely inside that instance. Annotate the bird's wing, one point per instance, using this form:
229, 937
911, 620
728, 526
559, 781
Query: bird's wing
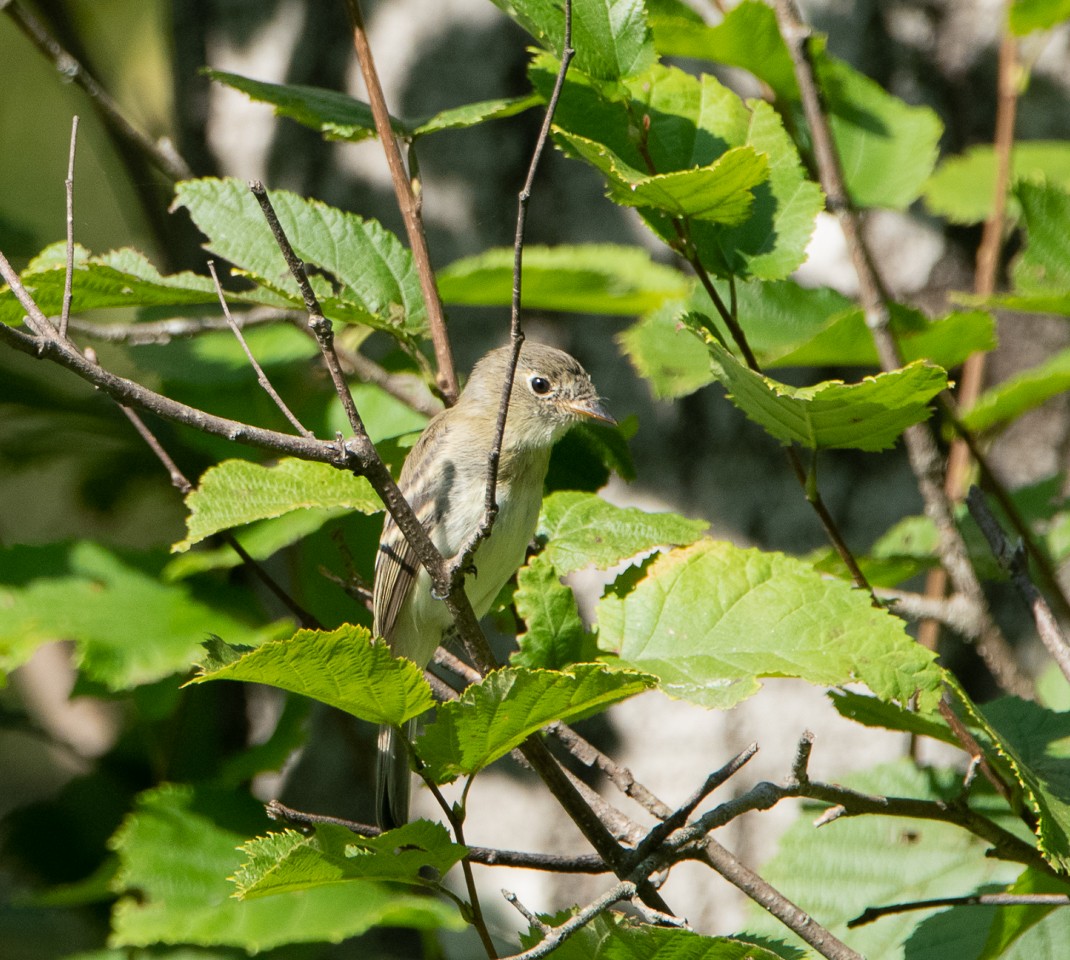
396, 563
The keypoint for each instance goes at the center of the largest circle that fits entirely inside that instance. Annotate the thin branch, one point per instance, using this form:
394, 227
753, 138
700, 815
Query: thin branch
261, 377
68, 279
490, 502
621, 777
161, 153
922, 450
554, 937
773, 901
407, 204
1012, 560
485, 856
976, 900
679, 817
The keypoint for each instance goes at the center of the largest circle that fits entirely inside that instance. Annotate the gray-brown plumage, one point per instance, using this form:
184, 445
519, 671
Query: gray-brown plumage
444, 480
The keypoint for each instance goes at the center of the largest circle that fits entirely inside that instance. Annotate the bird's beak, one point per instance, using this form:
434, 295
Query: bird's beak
591, 408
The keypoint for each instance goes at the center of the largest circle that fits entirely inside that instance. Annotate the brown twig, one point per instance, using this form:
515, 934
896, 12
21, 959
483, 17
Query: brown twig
976, 900
485, 856
955, 611
407, 204
161, 153
922, 450
261, 377
1012, 560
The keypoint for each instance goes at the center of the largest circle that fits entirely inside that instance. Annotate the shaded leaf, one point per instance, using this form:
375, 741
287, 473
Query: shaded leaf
128, 627
962, 187
1020, 393
342, 668
711, 619
176, 851
282, 862
611, 37
236, 492
377, 283
586, 278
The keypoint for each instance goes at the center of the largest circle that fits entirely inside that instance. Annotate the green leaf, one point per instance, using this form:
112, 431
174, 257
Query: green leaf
236, 492
509, 705
378, 283
665, 352
1025, 16
611, 936
871, 712
282, 862
1032, 744
711, 619
772, 242
665, 121
334, 114
582, 529
963, 187
1043, 267
747, 37
584, 278
341, 117
611, 37
720, 192
343, 668
127, 626
260, 540
176, 851
856, 862
1025, 391
122, 278
887, 149
868, 415
471, 114
555, 635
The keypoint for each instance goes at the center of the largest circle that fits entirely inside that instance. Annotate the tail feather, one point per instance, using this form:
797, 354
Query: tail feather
393, 778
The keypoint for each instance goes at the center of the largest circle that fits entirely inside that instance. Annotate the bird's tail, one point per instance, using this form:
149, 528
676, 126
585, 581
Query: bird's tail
393, 778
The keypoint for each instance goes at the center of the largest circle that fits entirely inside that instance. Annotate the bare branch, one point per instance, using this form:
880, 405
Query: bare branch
976, 900
407, 204
956, 611
1012, 560
485, 856
769, 898
68, 279
261, 377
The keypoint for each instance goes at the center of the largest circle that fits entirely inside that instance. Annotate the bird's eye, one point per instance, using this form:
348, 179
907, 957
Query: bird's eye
540, 386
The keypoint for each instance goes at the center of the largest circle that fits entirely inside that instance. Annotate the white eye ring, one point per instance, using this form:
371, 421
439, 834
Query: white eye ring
540, 386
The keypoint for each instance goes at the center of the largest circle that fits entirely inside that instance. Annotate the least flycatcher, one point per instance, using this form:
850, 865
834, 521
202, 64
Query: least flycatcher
444, 480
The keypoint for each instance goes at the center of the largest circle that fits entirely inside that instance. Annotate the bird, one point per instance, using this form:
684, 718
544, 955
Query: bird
444, 480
